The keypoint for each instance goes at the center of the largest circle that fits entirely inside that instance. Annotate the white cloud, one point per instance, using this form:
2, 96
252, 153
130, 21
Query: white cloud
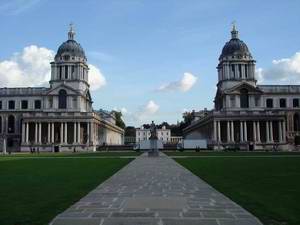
145, 114
282, 71
96, 78
186, 83
31, 67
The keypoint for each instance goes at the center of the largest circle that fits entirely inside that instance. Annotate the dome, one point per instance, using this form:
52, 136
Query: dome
71, 47
235, 46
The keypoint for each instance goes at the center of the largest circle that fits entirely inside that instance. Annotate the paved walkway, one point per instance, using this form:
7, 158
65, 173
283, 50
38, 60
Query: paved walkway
155, 191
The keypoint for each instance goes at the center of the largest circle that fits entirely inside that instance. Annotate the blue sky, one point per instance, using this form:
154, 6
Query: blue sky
139, 46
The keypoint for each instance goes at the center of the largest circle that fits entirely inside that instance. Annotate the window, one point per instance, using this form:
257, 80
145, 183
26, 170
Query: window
11, 104
62, 99
0, 104
66, 57
50, 99
66, 72
295, 102
240, 70
37, 104
24, 104
60, 72
72, 71
269, 103
11, 124
244, 98
233, 70
256, 101
282, 103
246, 71
74, 102
232, 101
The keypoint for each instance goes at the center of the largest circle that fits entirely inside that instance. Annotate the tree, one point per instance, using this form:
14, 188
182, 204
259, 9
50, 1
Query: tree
119, 120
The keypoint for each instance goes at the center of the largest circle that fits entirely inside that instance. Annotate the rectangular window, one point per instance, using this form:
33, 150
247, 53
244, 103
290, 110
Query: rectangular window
232, 101
256, 101
233, 71
282, 103
37, 104
240, 70
60, 72
11, 104
24, 104
246, 71
66, 72
0, 104
269, 103
296, 102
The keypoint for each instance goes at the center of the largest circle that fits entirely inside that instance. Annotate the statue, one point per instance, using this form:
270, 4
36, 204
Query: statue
153, 141
153, 135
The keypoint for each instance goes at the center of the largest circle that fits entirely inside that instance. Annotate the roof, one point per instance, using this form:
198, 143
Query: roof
23, 91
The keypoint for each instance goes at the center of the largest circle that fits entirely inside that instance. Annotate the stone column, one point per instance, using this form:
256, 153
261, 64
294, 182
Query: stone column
243, 70
75, 137
232, 131
283, 131
49, 133
52, 132
237, 73
27, 132
258, 132
66, 133
280, 131
35, 132
241, 131
61, 133
254, 132
92, 133
228, 131
271, 131
40, 133
215, 131
245, 131
267, 132
88, 132
219, 130
78, 133
23, 132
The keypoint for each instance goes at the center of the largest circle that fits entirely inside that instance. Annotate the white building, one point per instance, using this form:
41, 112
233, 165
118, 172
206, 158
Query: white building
247, 115
59, 117
143, 134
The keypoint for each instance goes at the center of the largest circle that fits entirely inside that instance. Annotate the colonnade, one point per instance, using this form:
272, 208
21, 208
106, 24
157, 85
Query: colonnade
230, 131
89, 129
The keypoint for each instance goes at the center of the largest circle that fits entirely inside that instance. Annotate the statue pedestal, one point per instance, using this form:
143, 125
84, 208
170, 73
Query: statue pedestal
153, 151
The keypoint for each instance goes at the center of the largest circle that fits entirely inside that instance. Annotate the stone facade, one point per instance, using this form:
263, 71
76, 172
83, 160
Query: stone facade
59, 117
162, 134
247, 115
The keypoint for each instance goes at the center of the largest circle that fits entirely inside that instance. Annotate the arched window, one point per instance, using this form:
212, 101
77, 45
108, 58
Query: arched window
11, 124
244, 98
296, 122
62, 99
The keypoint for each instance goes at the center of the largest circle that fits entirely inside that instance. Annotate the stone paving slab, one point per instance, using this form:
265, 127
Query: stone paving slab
155, 191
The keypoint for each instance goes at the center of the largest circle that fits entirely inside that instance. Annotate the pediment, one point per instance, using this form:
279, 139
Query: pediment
237, 89
70, 90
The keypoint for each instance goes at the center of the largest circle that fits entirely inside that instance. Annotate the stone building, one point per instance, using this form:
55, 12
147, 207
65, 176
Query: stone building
59, 117
143, 134
247, 115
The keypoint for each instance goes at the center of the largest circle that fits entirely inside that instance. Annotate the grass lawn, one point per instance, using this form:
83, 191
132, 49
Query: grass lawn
267, 187
33, 191
214, 153
77, 154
